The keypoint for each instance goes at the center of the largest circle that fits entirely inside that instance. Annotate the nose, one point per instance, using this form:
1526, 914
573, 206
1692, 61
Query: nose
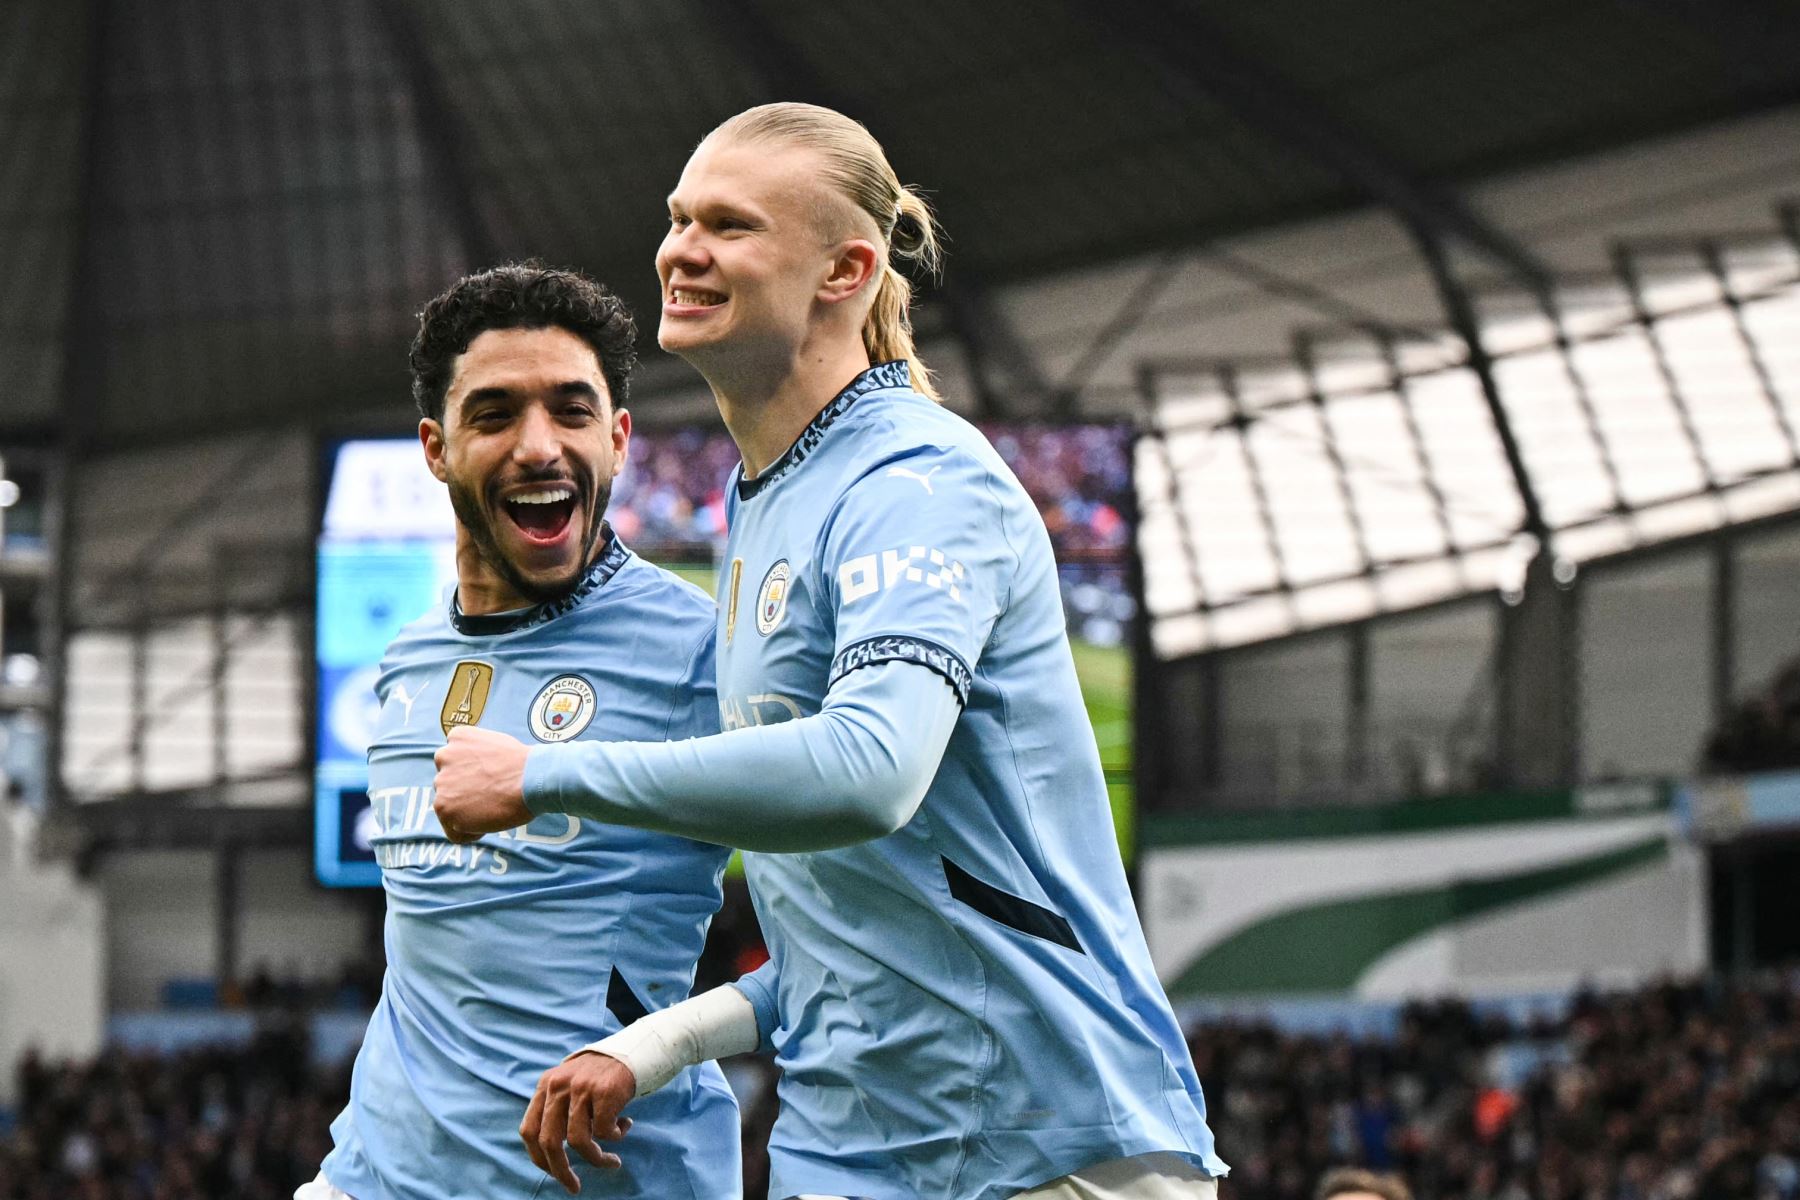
538, 444
683, 249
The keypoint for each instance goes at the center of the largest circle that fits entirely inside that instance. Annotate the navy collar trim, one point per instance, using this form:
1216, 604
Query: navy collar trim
604, 568
877, 378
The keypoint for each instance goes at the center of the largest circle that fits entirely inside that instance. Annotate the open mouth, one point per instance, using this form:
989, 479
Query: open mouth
542, 515
688, 297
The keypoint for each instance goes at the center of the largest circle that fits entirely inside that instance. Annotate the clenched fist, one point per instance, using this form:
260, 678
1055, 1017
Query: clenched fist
576, 1102
480, 783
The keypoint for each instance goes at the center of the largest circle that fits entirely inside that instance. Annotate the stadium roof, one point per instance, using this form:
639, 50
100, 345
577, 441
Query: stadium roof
218, 215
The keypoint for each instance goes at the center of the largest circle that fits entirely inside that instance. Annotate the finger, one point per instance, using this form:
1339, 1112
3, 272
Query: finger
620, 1127
581, 1135
550, 1141
452, 828
534, 1120
602, 1157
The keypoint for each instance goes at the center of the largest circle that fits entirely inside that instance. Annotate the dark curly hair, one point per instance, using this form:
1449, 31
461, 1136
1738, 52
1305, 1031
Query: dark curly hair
523, 295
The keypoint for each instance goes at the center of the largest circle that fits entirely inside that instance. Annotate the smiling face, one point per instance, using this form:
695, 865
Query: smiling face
528, 447
748, 254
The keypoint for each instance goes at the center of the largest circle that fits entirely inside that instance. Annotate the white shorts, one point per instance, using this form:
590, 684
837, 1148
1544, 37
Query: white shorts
1146, 1177
320, 1189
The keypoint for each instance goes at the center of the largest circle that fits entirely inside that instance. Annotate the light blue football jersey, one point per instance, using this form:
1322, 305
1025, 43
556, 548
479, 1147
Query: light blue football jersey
505, 955
966, 1007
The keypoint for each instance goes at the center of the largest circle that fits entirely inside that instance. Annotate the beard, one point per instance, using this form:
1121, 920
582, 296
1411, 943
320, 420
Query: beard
479, 518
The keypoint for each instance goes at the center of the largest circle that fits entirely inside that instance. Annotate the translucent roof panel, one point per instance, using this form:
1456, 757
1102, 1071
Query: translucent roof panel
1369, 476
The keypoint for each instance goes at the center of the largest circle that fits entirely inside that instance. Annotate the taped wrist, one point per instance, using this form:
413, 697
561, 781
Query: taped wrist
657, 1047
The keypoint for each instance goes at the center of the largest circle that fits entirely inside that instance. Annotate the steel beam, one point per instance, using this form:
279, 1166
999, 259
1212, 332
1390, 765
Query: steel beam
445, 137
1461, 312
83, 382
1198, 56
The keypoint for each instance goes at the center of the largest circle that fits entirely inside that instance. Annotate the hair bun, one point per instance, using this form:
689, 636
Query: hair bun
908, 237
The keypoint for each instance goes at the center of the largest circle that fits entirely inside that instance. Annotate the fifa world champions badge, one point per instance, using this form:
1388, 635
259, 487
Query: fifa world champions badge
467, 697
772, 598
562, 709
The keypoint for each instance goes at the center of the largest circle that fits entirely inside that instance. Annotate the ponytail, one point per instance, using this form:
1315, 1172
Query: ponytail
887, 330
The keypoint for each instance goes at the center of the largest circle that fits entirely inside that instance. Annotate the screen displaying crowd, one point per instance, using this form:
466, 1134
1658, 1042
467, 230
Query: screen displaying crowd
669, 505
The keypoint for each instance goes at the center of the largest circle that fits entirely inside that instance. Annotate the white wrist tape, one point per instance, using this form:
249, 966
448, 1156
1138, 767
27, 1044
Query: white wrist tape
657, 1047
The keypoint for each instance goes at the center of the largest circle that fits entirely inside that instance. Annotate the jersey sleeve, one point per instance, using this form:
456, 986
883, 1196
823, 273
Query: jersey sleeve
695, 709
760, 987
917, 566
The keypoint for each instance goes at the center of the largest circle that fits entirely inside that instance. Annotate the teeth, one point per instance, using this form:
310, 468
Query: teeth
549, 497
688, 296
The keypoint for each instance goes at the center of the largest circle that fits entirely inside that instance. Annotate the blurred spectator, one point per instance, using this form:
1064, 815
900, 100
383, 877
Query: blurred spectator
1674, 1092
355, 988
1763, 732
1679, 1091
1353, 1183
669, 505
205, 1125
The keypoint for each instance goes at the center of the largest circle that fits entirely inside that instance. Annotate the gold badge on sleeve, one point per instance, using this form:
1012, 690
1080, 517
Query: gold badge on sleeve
737, 575
467, 696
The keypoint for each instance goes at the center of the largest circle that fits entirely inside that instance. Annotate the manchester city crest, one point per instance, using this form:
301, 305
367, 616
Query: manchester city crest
772, 598
562, 709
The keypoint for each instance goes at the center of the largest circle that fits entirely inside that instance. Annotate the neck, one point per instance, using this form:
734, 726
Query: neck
766, 406
481, 590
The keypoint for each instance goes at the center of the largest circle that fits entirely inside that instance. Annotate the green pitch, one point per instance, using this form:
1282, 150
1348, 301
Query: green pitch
1105, 673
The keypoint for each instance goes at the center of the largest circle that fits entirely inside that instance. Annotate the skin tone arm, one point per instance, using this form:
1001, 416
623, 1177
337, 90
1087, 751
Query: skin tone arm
578, 1102
580, 1099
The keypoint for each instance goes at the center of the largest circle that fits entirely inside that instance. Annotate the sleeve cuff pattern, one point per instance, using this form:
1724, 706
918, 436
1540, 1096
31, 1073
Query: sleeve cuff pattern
543, 791
901, 648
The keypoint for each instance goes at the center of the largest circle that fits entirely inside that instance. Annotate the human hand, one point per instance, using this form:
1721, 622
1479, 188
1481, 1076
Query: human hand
577, 1101
480, 785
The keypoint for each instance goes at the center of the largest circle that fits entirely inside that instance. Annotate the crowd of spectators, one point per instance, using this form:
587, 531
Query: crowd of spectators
355, 987
1681, 1091
1080, 477
672, 492
244, 1123
1675, 1092
669, 504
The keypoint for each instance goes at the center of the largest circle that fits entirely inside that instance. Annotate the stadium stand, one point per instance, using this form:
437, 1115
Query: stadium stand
1681, 1090
1413, 391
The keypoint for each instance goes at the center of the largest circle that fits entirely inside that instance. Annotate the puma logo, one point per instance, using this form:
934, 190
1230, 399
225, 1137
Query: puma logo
399, 693
923, 481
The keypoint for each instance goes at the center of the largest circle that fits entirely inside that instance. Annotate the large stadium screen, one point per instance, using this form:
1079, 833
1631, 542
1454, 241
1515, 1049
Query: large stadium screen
385, 556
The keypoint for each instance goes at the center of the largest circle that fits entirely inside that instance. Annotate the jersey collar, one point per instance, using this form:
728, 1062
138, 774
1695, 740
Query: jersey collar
894, 374
604, 568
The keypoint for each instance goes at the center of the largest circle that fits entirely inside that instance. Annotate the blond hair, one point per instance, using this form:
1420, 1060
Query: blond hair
857, 167
1344, 1181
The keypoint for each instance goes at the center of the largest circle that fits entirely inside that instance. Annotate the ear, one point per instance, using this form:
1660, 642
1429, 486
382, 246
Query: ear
431, 437
856, 262
621, 438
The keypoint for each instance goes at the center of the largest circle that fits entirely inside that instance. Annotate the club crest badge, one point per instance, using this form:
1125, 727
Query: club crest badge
562, 709
772, 598
468, 695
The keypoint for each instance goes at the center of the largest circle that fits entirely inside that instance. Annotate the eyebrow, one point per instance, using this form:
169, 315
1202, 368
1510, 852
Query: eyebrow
578, 389
730, 208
